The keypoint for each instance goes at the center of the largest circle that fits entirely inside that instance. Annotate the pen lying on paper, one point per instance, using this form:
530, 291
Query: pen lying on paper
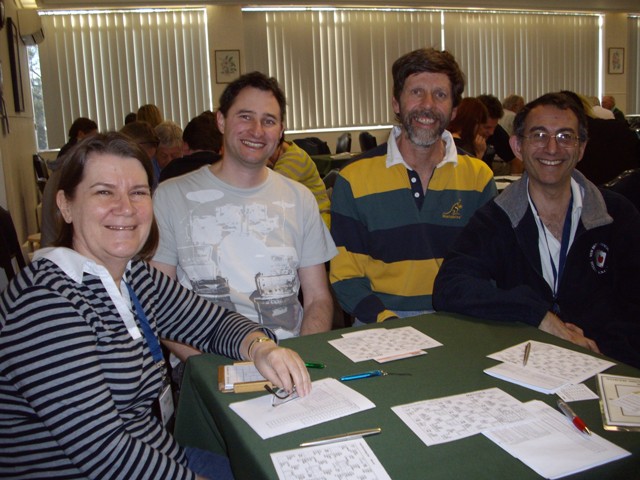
342, 437
569, 413
372, 373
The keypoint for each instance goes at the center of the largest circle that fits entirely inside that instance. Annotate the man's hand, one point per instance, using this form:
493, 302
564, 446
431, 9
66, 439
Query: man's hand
552, 324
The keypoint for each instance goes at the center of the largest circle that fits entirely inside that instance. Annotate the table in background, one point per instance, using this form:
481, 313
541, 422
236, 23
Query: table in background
206, 421
325, 163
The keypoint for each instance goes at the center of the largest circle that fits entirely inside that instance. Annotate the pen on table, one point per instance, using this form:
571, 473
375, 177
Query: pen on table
358, 376
314, 365
342, 437
527, 351
575, 419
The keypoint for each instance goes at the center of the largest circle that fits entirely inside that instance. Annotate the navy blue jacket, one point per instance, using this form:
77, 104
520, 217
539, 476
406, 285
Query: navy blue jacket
494, 272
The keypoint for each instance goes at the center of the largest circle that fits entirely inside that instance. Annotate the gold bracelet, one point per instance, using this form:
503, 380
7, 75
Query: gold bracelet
254, 341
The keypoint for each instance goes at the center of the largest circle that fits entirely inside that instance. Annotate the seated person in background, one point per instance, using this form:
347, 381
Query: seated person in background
598, 111
242, 235
145, 136
395, 212
497, 137
465, 126
609, 102
80, 128
151, 114
552, 250
511, 105
291, 161
170, 146
201, 141
612, 148
130, 117
79, 404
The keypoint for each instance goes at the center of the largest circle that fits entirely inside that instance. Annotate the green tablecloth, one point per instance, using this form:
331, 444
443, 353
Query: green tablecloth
205, 420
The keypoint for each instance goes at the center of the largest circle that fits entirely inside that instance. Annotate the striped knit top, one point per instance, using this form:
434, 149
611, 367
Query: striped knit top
76, 388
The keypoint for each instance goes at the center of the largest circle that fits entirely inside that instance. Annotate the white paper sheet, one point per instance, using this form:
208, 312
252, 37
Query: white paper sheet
551, 445
459, 416
329, 399
548, 368
337, 461
381, 343
576, 393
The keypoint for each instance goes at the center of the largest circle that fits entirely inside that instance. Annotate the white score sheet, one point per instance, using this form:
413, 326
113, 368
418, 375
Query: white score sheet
329, 399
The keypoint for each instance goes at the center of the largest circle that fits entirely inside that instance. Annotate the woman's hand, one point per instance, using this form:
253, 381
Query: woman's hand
552, 324
281, 366
480, 146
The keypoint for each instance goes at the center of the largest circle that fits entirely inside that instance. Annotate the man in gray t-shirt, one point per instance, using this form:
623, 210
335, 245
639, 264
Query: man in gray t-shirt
242, 235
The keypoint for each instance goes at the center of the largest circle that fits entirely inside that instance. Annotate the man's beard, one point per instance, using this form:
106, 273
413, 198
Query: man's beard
420, 136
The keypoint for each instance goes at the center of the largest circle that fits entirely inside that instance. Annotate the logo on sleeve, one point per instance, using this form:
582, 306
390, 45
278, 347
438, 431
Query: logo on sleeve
454, 211
598, 257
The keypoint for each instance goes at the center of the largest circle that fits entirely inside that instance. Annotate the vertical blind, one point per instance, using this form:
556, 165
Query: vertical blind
334, 64
104, 64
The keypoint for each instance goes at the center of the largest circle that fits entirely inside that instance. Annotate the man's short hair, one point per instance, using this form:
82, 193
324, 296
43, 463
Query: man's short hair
81, 124
494, 107
202, 133
561, 102
169, 134
432, 61
254, 80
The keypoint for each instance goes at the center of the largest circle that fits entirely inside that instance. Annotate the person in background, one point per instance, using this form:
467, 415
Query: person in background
395, 212
202, 142
470, 116
497, 138
291, 161
609, 102
144, 135
242, 235
81, 127
598, 111
170, 146
130, 117
89, 312
511, 105
553, 250
151, 114
612, 148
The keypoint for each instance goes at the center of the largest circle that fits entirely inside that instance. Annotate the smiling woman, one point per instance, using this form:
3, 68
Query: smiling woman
90, 313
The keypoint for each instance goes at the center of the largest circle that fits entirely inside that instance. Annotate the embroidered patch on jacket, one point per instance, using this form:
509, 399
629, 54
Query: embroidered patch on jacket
598, 257
454, 211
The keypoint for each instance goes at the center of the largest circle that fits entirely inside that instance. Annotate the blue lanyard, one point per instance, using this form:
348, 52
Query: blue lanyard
150, 337
564, 247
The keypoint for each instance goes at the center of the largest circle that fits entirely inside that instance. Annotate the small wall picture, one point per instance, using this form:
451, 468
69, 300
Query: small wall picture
227, 65
616, 60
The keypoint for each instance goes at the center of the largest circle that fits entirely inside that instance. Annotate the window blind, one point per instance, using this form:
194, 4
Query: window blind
104, 64
335, 64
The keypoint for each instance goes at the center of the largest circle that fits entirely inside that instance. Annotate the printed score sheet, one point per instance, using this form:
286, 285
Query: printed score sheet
336, 461
329, 399
383, 344
548, 368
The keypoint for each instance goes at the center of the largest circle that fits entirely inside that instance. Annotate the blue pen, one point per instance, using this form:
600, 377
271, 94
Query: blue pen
358, 376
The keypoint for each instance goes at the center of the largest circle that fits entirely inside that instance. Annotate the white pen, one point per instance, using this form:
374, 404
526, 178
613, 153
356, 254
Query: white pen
342, 437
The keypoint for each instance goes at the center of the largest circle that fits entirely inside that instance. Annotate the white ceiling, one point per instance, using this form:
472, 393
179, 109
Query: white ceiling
621, 6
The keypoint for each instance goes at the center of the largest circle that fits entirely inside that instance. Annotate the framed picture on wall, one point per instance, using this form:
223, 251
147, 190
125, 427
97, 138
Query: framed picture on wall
616, 60
16, 67
227, 65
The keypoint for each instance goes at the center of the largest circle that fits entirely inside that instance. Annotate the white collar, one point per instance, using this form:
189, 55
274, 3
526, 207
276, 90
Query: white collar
75, 265
394, 157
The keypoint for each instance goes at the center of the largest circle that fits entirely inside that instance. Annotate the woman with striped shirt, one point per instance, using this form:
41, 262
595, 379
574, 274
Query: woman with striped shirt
79, 329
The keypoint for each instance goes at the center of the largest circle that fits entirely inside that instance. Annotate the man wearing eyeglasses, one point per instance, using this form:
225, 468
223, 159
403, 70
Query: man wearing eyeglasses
552, 250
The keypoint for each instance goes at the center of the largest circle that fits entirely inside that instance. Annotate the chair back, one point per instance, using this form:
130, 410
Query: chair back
41, 171
11, 256
344, 143
367, 141
313, 145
